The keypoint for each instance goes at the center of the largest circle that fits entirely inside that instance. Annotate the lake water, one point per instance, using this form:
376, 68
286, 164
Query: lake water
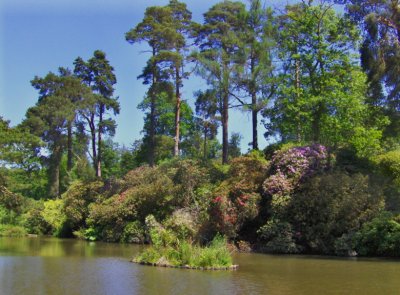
56, 266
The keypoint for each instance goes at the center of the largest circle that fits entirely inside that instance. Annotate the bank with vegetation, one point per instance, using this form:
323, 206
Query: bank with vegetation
329, 182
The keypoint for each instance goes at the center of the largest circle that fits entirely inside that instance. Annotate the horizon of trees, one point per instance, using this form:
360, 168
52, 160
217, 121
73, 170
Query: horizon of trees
310, 74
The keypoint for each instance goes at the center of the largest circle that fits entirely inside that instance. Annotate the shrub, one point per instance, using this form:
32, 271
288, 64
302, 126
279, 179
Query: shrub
10, 201
277, 237
8, 216
77, 199
379, 237
133, 233
8, 230
236, 200
33, 219
183, 223
289, 168
187, 176
389, 166
328, 206
344, 246
143, 191
54, 215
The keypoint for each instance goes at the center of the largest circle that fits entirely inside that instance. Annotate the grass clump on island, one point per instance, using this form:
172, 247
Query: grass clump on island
168, 250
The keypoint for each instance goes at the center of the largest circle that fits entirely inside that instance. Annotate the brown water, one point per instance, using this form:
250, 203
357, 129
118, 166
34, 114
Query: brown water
54, 266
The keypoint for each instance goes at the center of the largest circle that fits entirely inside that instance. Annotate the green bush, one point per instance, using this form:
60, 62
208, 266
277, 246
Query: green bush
54, 215
187, 176
10, 201
344, 246
33, 219
328, 206
183, 223
388, 165
8, 230
8, 216
277, 237
379, 237
133, 233
77, 200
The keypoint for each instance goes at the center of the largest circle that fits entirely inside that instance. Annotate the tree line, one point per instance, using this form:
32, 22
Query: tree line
308, 73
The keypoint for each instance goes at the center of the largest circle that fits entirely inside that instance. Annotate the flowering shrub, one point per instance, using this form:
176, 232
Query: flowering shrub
289, 168
237, 198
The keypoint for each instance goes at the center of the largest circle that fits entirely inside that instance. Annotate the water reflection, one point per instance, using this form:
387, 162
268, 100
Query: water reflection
53, 266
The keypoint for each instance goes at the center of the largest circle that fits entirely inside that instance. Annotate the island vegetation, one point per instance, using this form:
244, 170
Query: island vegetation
325, 86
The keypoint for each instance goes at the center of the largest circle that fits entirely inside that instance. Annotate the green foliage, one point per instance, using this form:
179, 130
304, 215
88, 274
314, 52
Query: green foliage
277, 237
8, 216
133, 233
379, 237
33, 219
379, 52
10, 200
216, 254
76, 202
187, 176
236, 199
389, 163
328, 206
54, 215
143, 191
322, 94
8, 230
91, 234
183, 224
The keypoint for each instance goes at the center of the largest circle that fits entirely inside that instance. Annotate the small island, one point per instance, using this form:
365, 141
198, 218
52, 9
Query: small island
168, 250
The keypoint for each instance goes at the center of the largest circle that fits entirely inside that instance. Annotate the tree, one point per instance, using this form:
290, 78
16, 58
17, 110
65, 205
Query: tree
322, 91
19, 148
257, 77
49, 120
53, 117
98, 74
380, 53
207, 107
234, 145
152, 30
174, 54
164, 126
220, 45
21, 168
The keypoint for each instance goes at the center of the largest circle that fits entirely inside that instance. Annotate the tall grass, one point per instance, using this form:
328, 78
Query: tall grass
216, 254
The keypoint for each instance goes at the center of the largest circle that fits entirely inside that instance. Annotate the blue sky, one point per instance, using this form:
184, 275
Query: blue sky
38, 36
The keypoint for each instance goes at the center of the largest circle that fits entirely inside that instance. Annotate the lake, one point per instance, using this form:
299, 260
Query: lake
60, 266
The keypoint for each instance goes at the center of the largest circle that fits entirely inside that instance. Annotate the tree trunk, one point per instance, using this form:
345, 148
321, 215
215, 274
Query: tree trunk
54, 172
225, 115
99, 134
298, 135
152, 132
93, 139
225, 139
255, 120
69, 147
205, 143
177, 112
254, 110
316, 123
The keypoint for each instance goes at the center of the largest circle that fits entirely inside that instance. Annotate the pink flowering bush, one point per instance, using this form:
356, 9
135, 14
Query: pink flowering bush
237, 198
289, 168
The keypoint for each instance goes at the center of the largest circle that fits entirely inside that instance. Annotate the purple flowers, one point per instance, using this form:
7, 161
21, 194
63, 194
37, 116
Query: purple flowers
291, 167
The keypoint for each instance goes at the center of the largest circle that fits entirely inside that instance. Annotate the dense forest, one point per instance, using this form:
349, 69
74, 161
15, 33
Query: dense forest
324, 84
